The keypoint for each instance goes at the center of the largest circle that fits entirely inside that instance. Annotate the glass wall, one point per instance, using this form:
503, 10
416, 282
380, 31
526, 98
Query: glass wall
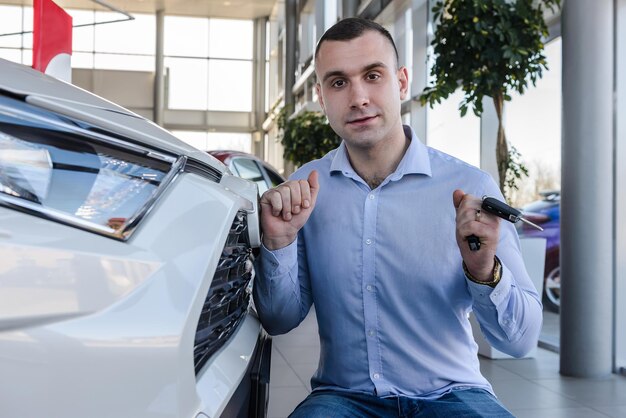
447, 131
204, 72
19, 46
125, 45
533, 126
207, 141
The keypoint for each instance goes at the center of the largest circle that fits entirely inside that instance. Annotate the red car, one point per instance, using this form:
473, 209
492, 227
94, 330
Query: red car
251, 168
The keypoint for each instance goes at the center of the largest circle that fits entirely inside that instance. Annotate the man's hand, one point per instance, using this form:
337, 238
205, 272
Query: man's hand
470, 220
285, 209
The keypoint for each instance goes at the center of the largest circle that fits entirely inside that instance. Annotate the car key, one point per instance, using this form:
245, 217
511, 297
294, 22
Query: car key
504, 211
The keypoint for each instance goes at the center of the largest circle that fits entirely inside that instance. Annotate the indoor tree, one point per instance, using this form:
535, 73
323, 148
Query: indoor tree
305, 136
489, 48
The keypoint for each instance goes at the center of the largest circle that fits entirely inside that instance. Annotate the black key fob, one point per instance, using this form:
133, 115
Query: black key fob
501, 209
498, 208
473, 242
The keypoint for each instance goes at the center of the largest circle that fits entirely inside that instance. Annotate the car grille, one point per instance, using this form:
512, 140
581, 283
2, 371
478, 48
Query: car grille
202, 169
229, 296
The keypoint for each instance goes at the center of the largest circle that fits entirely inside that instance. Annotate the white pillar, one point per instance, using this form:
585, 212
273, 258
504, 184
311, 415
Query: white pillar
419, 76
291, 34
258, 85
489, 138
620, 187
159, 73
587, 192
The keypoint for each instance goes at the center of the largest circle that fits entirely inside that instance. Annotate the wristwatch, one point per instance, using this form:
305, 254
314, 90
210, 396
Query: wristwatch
496, 275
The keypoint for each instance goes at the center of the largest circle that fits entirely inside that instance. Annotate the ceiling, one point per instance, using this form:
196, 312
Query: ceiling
238, 9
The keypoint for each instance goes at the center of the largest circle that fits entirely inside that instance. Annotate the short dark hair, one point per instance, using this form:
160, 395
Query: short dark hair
351, 28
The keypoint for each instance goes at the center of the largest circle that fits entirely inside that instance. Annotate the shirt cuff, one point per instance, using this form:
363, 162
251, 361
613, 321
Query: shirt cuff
276, 262
487, 295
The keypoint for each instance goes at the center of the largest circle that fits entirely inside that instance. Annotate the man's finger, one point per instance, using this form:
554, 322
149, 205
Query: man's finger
285, 195
296, 197
305, 193
276, 202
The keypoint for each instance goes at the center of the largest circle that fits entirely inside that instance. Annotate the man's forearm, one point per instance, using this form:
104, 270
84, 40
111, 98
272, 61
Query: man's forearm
276, 289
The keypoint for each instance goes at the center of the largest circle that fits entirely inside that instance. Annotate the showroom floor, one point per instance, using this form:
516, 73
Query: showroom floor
529, 388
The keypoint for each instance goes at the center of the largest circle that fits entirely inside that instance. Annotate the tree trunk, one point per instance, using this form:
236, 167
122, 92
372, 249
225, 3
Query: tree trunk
502, 147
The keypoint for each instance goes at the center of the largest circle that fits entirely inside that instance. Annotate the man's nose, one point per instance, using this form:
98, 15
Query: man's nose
359, 96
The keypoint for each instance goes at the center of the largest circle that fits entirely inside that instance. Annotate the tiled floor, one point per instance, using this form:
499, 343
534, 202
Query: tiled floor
529, 388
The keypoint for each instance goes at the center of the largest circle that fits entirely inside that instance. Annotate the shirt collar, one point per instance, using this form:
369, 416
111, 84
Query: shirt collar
414, 161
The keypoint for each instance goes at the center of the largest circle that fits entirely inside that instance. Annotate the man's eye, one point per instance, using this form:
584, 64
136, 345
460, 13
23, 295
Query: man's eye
338, 83
373, 76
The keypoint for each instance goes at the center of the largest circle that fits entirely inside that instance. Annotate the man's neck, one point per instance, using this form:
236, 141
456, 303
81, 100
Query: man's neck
374, 164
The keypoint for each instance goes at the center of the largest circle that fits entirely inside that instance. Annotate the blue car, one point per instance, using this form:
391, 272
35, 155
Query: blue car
546, 213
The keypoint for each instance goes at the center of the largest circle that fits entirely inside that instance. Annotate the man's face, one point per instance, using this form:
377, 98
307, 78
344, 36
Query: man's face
360, 88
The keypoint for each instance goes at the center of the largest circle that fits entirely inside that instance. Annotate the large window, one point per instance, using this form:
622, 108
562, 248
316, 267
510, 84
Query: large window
533, 126
207, 141
127, 45
186, 36
16, 47
208, 61
206, 72
124, 45
230, 85
447, 131
188, 83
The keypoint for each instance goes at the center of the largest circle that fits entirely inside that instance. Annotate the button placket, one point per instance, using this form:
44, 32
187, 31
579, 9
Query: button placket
370, 209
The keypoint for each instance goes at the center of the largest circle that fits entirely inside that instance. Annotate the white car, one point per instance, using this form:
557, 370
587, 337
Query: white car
124, 265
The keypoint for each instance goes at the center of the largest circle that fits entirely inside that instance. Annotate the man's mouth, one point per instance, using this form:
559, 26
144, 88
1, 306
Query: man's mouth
361, 120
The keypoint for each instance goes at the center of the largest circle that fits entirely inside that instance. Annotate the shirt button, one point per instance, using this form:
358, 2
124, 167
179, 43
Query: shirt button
370, 333
371, 197
369, 287
368, 241
376, 376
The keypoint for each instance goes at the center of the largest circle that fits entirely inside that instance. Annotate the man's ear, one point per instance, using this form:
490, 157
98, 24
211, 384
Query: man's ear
318, 90
403, 81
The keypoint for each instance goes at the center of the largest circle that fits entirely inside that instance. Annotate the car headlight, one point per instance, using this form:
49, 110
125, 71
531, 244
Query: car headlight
64, 172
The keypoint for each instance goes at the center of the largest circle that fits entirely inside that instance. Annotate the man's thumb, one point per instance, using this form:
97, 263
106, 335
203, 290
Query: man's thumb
313, 180
457, 197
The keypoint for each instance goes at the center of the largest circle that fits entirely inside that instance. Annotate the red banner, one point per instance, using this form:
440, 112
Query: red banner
52, 39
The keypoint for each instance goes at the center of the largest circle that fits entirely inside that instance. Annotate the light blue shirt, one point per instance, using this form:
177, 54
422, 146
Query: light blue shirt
384, 271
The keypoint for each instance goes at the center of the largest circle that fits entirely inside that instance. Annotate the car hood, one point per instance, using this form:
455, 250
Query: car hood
52, 94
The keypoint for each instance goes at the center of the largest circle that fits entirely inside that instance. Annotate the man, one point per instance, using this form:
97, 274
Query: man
375, 235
